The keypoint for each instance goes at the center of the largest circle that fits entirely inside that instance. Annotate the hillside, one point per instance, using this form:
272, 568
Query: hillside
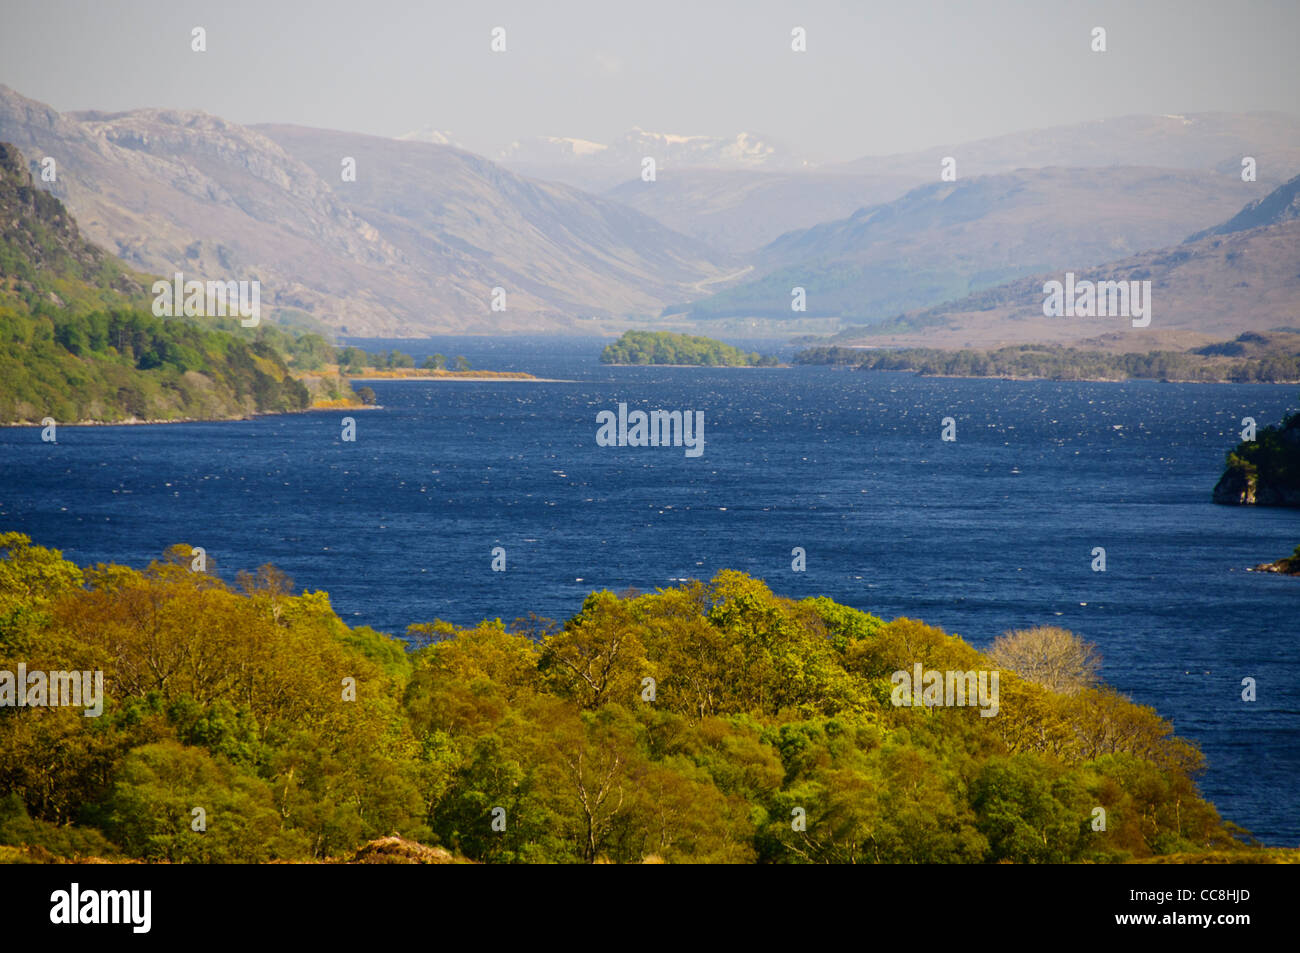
43, 257
169, 190
743, 210
944, 240
1245, 280
1280, 205
468, 226
75, 346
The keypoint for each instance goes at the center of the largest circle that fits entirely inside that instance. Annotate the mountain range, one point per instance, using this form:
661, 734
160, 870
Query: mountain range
943, 240
466, 226
169, 190
751, 206
368, 235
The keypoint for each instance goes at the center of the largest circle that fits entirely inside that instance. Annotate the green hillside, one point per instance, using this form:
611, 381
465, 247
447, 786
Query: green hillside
77, 343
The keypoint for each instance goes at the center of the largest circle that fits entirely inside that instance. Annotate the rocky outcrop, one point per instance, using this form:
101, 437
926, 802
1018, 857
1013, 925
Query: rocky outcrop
1288, 566
1264, 471
39, 238
1242, 487
1237, 485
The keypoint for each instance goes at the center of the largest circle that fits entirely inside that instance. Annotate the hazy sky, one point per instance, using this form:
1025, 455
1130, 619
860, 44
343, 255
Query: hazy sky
877, 77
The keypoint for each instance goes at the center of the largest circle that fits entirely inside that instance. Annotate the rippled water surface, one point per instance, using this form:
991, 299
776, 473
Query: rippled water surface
992, 532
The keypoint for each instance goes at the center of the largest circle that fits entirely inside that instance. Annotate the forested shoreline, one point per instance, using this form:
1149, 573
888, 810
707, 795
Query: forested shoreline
1250, 358
710, 722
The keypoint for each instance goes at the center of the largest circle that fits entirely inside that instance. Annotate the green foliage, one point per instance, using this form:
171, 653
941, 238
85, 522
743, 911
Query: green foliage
113, 365
150, 809
1031, 811
1273, 458
712, 722
664, 347
1056, 362
64, 841
76, 343
352, 359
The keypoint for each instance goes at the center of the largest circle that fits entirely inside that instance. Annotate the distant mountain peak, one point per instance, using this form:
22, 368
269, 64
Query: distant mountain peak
553, 146
430, 134
743, 150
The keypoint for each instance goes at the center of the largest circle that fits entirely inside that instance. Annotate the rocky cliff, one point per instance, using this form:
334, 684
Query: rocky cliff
1264, 471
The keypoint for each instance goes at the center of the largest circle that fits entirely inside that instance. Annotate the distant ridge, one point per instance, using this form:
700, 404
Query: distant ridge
1281, 205
944, 240
1225, 283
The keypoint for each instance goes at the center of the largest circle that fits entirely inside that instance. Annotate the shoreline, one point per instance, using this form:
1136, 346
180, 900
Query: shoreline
486, 380
1091, 380
709, 367
138, 422
1054, 380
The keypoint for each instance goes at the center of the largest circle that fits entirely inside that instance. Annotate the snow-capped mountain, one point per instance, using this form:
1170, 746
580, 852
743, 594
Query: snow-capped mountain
430, 134
591, 164
551, 147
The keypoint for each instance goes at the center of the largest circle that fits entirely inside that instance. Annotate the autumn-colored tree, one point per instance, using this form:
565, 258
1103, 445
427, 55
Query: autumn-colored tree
1050, 656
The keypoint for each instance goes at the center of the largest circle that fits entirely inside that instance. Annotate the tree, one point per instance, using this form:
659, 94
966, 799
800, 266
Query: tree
1019, 801
352, 359
598, 656
158, 787
1049, 656
461, 363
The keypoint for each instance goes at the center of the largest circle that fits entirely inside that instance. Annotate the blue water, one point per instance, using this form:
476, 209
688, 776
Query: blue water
989, 533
